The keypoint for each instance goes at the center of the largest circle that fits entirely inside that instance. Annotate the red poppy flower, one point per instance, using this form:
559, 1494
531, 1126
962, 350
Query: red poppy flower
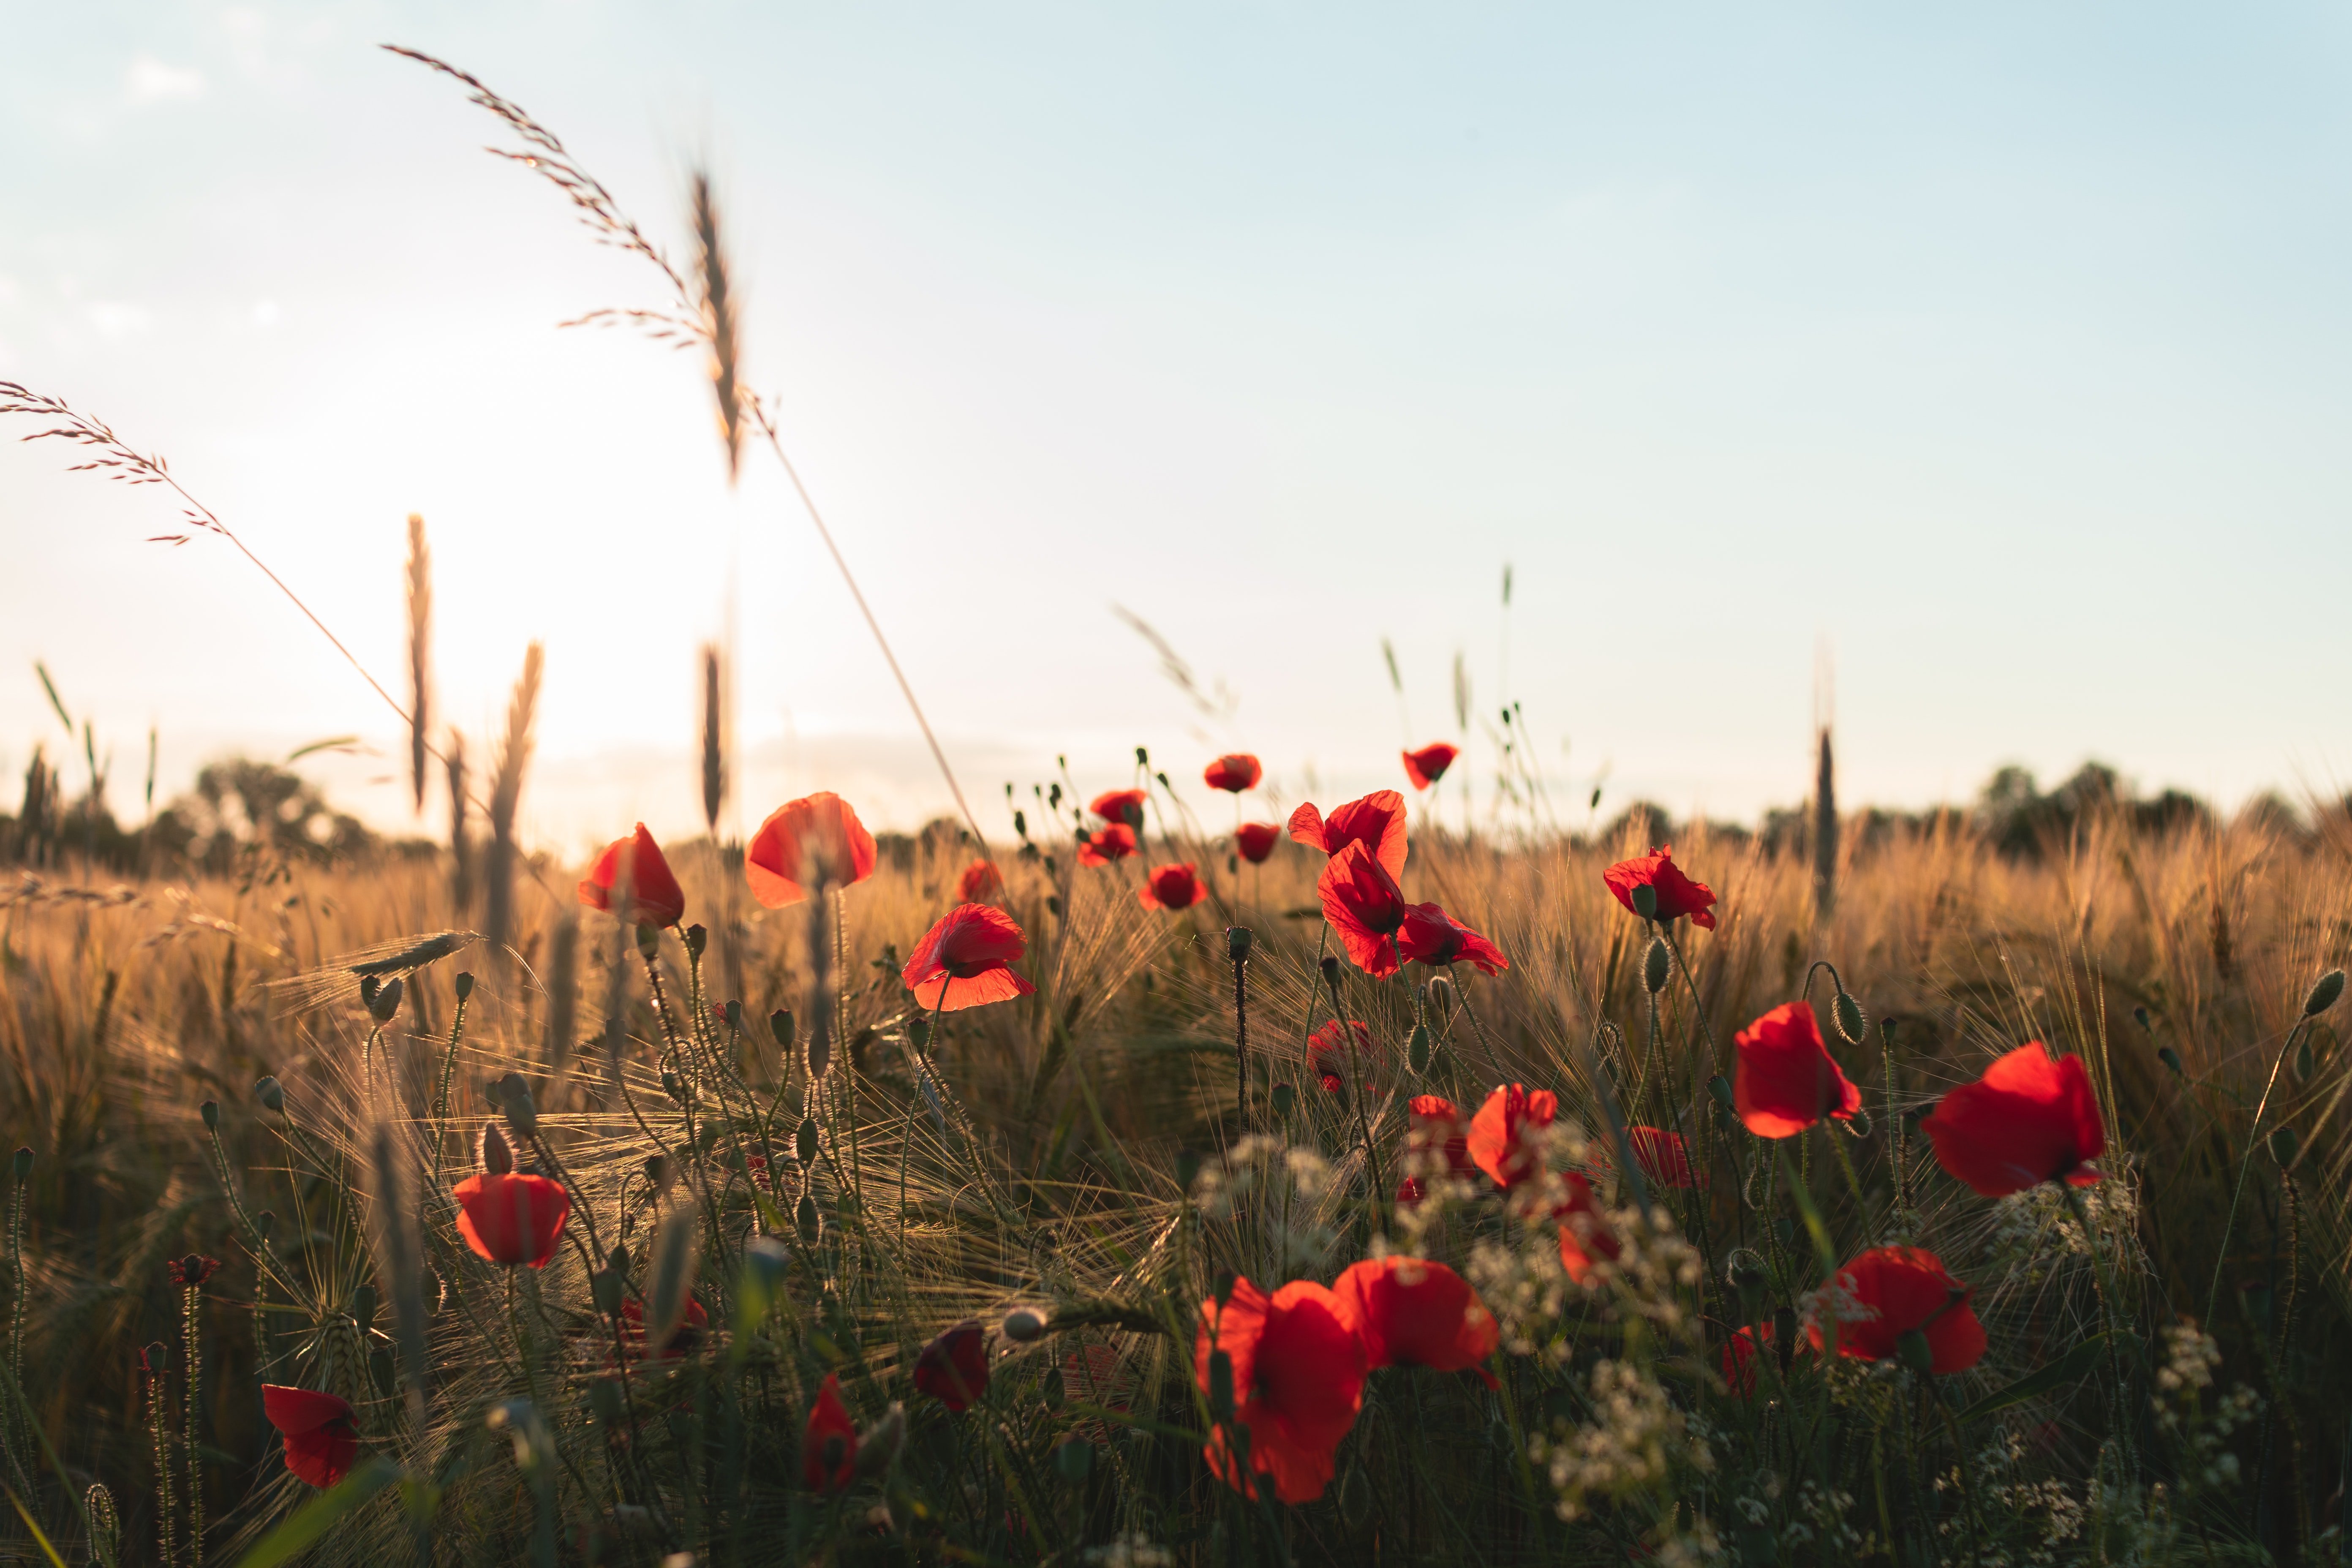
1662, 1156
2029, 1119
632, 870
683, 1339
1739, 1361
193, 1270
1377, 821
1105, 845
1169, 888
1333, 1084
1786, 1079
1501, 1135
1430, 936
1585, 1239
513, 1219
1677, 894
954, 1368
1095, 1374
1235, 773
1327, 1047
1122, 806
980, 883
805, 846
1436, 1125
1897, 1290
972, 947
1256, 841
1364, 906
829, 1442
1298, 1380
1411, 1313
1427, 765
322, 1440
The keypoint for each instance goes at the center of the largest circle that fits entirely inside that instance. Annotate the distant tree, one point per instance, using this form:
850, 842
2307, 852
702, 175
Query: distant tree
242, 811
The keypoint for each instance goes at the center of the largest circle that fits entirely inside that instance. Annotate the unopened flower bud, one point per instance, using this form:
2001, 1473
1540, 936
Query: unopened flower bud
1330, 967
369, 986
919, 1032
1023, 1326
463, 985
385, 1003
1417, 1049
2323, 995
1847, 1013
1911, 1348
24, 1162
1645, 900
1284, 1098
810, 1224
648, 942
495, 1156
780, 1025
734, 1014
697, 938
210, 1111
2283, 1144
820, 1056
1238, 943
1073, 1460
2170, 1058
1657, 966
515, 1100
269, 1092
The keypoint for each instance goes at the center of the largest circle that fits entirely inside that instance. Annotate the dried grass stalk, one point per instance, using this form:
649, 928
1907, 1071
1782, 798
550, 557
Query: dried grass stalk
461, 848
506, 796
714, 756
1825, 830
719, 322
420, 632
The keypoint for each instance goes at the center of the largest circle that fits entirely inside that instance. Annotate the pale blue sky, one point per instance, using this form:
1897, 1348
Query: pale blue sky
2006, 348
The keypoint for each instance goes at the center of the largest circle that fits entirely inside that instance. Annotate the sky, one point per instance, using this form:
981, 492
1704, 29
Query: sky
1999, 351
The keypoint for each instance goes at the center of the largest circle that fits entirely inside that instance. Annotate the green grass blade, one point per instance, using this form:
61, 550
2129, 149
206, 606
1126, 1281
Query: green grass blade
321, 1514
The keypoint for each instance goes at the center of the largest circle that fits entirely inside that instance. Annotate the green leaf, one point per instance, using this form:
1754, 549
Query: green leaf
2072, 1367
57, 704
321, 1514
332, 743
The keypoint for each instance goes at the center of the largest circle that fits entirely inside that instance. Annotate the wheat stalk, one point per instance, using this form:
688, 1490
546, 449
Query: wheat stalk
506, 796
420, 629
714, 764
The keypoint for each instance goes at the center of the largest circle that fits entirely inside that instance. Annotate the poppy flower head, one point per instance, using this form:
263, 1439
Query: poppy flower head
2029, 1119
631, 879
1889, 1292
1664, 1157
954, 1368
966, 960
1413, 1312
807, 846
1298, 1364
1334, 1085
193, 1270
829, 1442
1173, 887
1437, 1138
980, 883
1234, 772
320, 1437
1255, 840
1105, 845
683, 1339
1426, 765
1123, 807
1586, 1241
1430, 936
1678, 895
1377, 821
1786, 1079
1364, 906
1507, 1135
1739, 1360
1327, 1047
510, 1219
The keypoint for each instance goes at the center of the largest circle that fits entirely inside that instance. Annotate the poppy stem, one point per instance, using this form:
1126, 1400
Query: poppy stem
192, 1332
1362, 1092
1461, 999
2245, 1163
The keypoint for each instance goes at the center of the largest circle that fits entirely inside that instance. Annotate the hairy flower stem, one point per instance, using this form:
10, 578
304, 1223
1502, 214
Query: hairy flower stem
16, 1315
1360, 1091
441, 1095
191, 1331
2245, 1163
167, 1544
2105, 1281
907, 1136
1241, 1030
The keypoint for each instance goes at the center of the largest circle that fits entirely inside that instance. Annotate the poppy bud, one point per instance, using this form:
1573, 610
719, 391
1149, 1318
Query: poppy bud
1847, 1013
804, 1142
210, 1111
1221, 1385
271, 1094
1784, 1333
1188, 1167
606, 1400
919, 1032
1657, 966
1645, 900
2323, 995
674, 1087
2170, 1058
2303, 1062
1720, 1087
879, 1445
734, 1012
265, 1222
697, 938
1330, 967
648, 942
514, 1099
1020, 823
1748, 1277
820, 1056
607, 1288
369, 986
1441, 993
495, 1154
810, 1224
1143, 758
2283, 1146
780, 1024
1356, 1499
380, 1371
2139, 1016
1050, 1388
1858, 1124
1911, 1348
1416, 1049
24, 1162
364, 1307
463, 985
1073, 1460
1284, 1098
659, 1172
385, 1003
1238, 943
1023, 1326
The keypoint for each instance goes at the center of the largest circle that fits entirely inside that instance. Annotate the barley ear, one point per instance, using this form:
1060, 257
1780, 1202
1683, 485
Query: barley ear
719, 322
714, 762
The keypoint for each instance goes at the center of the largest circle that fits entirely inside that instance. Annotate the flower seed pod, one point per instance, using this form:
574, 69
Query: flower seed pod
270, 1092
210, 1111
1417, 1049
515, 1100
648, 942
1073, 1460
385, 1003
780, 1025
804, 1142
697, 938
24, 1162
2323, 995
1657, 966
1238, 943
2283, 1144
1645, 900
1848, 1015
494, 1154
1023, 1326
463, 985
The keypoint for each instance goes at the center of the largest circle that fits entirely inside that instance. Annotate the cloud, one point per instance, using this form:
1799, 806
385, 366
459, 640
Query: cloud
149, 80
115, 319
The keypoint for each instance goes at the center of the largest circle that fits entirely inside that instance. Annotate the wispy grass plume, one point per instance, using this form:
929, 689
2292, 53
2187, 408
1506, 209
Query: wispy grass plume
506, 797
